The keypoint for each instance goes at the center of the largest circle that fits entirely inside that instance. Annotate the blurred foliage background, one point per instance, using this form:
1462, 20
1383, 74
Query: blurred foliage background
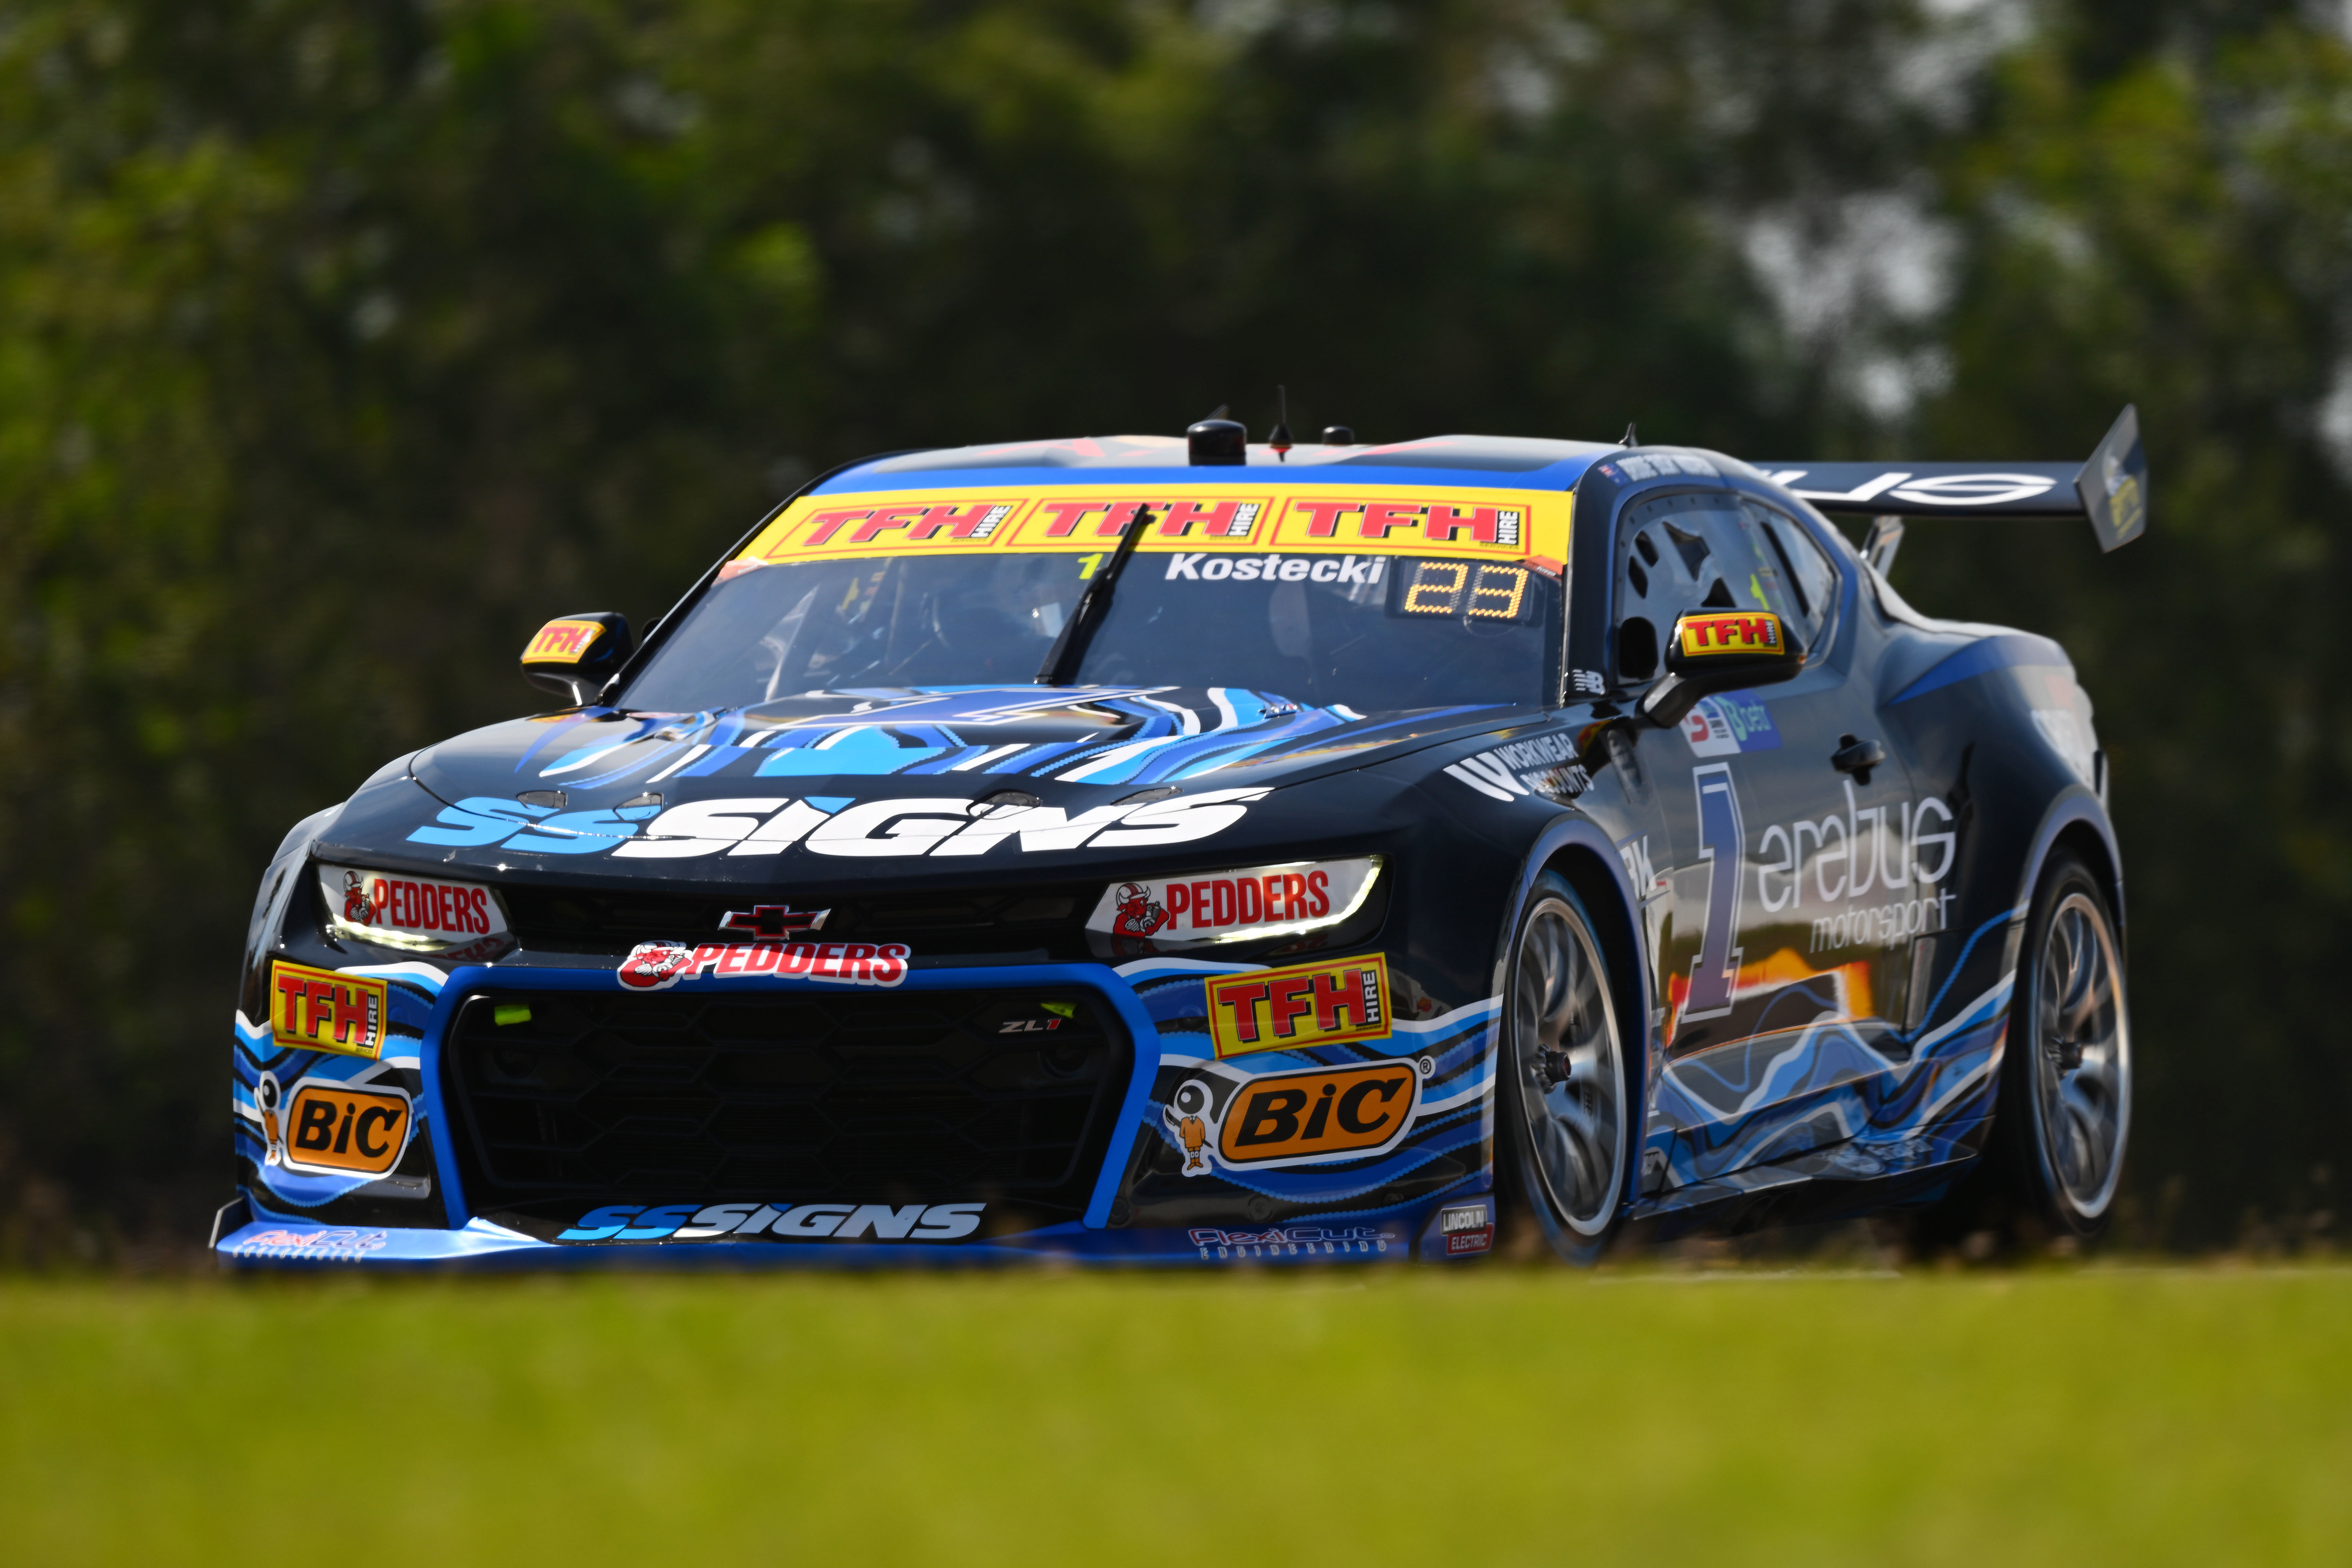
341, 343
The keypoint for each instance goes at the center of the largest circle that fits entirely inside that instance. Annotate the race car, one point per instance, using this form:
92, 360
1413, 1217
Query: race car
1202, 851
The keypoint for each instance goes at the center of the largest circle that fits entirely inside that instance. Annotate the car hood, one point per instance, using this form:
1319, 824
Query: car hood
1088, 744
604, 774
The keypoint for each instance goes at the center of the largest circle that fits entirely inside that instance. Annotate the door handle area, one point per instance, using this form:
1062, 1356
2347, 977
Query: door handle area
1858, 757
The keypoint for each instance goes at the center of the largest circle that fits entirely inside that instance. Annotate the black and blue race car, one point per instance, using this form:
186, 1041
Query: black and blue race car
1190, 850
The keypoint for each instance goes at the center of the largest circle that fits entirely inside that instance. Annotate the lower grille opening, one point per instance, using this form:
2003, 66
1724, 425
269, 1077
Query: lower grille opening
999, 1095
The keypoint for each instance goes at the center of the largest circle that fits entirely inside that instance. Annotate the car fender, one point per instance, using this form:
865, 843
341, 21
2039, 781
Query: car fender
2073, 805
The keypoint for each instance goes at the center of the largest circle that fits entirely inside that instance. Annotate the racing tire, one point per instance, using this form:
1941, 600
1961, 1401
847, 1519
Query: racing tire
1564, 1098
2061, 1108
2063, 1112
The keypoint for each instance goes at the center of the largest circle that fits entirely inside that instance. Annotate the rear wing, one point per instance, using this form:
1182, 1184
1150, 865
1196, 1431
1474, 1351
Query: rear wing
2111, 489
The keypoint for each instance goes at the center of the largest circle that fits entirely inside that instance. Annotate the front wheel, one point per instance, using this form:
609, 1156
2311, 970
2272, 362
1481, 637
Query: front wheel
1564, 1105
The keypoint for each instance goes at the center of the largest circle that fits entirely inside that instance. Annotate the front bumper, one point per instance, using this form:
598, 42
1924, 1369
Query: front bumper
1159, 1192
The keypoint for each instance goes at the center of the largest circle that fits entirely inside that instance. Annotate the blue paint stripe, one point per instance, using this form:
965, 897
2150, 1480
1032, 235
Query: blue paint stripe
1982, 658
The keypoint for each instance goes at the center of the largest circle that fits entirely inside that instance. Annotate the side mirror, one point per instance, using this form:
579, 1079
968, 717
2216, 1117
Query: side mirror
1720, 650
577, 654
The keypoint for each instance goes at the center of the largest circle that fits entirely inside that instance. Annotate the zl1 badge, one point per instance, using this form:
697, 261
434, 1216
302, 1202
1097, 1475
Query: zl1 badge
1310, 1005
324, 1010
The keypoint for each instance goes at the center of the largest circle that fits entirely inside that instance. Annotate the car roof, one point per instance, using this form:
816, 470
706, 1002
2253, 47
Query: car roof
1510, 462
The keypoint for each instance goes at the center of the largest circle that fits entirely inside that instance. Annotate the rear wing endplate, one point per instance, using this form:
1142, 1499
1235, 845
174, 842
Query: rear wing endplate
2111, 490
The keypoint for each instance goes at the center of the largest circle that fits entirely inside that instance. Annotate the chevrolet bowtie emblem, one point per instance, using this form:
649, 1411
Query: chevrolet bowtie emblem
773, 919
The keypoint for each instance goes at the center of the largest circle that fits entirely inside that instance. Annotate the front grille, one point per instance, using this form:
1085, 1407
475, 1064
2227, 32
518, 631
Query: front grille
805, 1098
984, 921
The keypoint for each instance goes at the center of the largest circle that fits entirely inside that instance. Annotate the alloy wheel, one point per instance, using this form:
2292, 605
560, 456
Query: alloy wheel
2082, 1055
1570, 1067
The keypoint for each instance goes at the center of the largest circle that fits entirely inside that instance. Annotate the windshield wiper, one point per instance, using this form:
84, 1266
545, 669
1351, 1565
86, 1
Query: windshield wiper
1070, 648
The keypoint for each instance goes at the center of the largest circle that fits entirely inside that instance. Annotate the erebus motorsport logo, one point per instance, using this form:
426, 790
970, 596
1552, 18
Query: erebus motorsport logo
658, 965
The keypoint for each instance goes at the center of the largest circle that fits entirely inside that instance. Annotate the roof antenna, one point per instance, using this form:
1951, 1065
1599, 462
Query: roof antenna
1632, 436
1279, 439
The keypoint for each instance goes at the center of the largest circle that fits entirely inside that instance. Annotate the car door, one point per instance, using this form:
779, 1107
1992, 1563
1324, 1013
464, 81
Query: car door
1774, 965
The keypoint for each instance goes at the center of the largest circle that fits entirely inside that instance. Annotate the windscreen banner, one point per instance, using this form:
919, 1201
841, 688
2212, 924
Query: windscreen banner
1209, 521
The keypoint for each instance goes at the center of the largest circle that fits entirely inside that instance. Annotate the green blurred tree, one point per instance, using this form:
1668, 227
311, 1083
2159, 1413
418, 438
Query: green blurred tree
2173, 231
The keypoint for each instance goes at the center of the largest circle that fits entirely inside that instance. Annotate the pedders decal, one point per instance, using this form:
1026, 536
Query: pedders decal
658, 965
391, 909
1225, 906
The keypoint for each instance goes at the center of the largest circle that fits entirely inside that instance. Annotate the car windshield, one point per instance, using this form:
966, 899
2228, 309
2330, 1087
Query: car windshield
1389, 632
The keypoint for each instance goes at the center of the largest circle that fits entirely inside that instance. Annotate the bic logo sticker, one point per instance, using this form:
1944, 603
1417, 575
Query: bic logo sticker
1311, 1005
321, 1010
338, 1127
1745, 632
1298, 1116
562, 642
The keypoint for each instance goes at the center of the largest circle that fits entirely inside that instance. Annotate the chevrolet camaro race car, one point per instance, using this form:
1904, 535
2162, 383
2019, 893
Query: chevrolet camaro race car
1193, 851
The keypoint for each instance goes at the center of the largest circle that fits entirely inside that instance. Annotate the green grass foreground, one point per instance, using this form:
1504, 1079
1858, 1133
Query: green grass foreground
1486, 1416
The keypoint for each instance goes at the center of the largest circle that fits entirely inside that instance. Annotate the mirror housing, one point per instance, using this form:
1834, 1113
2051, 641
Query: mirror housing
1720, 650
575, 656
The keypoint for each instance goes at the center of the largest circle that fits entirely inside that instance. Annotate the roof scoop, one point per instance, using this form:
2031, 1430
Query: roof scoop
1217, 441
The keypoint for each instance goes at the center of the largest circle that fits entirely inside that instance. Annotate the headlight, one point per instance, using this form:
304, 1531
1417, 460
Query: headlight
422, 914
1237, 906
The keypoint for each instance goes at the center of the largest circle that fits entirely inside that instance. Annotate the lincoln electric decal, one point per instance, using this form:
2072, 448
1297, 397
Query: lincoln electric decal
1200, 520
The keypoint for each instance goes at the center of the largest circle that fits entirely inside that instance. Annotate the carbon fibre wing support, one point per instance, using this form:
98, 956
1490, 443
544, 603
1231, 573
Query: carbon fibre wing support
2111, 489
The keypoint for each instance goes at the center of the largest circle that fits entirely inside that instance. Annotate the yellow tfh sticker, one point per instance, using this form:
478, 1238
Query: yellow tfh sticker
1308, 1005
1528, 528
562, 642
324, 1010
1745, 632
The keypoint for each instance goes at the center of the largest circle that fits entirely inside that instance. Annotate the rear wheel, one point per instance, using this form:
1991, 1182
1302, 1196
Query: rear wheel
2062, 1112
2065, 1089
1566, 1113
